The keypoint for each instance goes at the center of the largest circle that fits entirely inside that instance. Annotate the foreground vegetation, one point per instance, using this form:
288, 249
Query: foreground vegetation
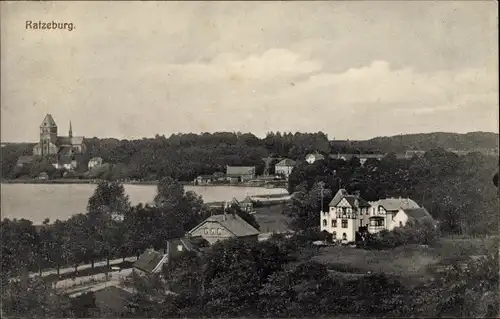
277, 278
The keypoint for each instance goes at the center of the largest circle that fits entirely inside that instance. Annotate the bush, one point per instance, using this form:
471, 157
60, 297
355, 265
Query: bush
423, 233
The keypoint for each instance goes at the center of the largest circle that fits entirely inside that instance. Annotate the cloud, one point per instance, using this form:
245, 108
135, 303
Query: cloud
272, 64
381, 86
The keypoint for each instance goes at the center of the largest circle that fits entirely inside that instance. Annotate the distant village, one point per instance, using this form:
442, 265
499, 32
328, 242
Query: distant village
67, 153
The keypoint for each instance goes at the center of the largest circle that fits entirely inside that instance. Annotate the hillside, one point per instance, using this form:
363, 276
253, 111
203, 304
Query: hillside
425, 141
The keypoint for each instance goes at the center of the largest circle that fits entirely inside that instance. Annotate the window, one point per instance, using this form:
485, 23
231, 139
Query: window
206, 231
179, 247
334, 235
344, 223
324, 222
400, 224
334, 223
219, 231
361, 222
212, 231
344, 236
379, 222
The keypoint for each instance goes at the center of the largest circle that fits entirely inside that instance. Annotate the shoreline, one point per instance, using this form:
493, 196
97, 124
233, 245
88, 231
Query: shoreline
96, 181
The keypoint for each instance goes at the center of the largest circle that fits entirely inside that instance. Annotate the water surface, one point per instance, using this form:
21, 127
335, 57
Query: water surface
59, 201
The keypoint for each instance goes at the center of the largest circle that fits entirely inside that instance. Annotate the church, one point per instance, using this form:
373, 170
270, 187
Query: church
60, 150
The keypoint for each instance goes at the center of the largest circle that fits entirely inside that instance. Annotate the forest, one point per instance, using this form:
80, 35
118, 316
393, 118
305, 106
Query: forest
456, 190
185, 156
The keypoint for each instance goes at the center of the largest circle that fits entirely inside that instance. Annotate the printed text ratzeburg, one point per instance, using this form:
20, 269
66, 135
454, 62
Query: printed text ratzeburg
52, 25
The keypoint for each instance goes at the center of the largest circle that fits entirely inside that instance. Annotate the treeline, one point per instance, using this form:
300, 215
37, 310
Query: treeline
275, 279
99, 235
186, 156
456, 190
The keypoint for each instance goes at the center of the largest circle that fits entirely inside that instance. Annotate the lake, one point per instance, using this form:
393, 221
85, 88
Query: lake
59, 201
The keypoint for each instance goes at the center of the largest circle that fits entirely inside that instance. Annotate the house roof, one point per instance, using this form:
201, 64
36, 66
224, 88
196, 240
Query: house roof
205, 176
149, 260
247, 199
356, 201
316, 155
338, 197
188, 244
286, 162
48, 121
233, 223
240, 170
417, 213
394, 204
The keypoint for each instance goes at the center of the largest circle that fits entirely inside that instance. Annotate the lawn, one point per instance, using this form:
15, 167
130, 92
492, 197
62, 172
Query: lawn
411, 261
271, 219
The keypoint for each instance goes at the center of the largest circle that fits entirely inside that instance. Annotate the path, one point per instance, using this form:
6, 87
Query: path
72, 269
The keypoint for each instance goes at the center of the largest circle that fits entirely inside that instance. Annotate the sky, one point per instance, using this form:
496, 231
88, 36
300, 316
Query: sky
353, 70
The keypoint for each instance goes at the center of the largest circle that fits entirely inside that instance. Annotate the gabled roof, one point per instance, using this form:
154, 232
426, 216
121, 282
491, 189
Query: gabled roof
232, 222
240, 170
357, 201
286, 162
317, 155
338, 197
149, 261
77, 140
417, 213
188, 245
247, 200
64, 140
394, 204
48, 121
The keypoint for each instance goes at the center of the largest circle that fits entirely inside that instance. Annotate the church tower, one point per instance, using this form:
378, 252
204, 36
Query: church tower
48, 134
70, 133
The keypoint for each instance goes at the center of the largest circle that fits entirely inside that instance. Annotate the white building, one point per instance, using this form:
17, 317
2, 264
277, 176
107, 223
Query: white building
347, 213
284, 167
95, 162
313, 157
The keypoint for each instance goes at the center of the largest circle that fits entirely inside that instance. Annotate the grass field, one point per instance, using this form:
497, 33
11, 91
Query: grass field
271, 219
411, 261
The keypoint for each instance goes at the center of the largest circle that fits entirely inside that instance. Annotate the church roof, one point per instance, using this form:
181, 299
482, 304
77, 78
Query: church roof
48, 121
77, 140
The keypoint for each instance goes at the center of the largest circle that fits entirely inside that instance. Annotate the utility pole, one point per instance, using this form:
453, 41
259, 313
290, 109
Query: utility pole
321, 185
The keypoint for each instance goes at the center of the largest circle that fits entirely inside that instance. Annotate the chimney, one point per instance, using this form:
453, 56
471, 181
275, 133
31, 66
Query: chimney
357, 193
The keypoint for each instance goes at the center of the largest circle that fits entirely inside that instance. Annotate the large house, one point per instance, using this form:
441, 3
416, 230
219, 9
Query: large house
313, 157
284, 167
240, 173
60, 150
349, 214
222, 227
